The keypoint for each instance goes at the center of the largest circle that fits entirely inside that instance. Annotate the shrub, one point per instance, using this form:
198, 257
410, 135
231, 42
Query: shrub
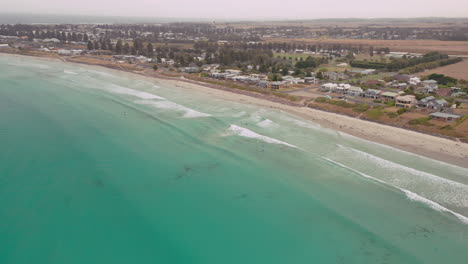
401, 111
392, 114
321, 99
421, 121
375, 113
360, 108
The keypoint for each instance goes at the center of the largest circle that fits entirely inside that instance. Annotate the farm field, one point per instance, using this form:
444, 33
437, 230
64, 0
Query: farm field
457, 70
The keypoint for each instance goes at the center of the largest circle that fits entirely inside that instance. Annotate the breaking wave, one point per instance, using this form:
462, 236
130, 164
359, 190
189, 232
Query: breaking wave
410, 195
188, 112
140, 94
266, 123
244, 132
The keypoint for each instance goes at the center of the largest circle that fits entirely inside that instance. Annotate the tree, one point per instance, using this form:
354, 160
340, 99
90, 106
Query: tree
320, 75
284, 71
126, 48
155, 67
118, 47
90, 45
150, 50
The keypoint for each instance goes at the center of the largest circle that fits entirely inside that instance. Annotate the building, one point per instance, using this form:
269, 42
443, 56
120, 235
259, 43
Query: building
191, 69
444, 116
3, 45
388, 96
278, 85
311, 80
432, 103
430, 86
328, 87
354, 91
371, 93
405, 101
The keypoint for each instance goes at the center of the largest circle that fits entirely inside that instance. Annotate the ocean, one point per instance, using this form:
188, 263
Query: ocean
100, 166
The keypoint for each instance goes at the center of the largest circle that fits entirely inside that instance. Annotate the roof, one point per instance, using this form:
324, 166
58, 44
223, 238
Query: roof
444, 115
389, 94
429, 81
372, 91
406, 97
427, 99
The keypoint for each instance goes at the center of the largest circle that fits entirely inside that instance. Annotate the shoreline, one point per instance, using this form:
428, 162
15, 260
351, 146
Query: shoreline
430, 146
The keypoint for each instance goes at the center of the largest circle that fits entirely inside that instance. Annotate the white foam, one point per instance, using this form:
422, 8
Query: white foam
70, 72
386, 164
266, 123
140, 94
410, 195
244, 132
188, 112
398, 150
240, 114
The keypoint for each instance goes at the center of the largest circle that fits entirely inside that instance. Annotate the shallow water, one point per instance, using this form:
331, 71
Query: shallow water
99, 166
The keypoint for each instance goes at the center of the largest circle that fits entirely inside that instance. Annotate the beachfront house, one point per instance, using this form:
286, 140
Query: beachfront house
371, 93
444, 116
388, 96
405, 101
327, 87
191, 69
341, 88
355, 91
311, 80
278, 85
432, 103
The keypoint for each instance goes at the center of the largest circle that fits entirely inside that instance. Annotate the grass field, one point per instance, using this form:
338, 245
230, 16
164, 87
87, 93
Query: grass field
419, 46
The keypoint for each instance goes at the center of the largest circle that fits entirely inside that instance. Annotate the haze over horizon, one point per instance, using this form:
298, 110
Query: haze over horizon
244, 9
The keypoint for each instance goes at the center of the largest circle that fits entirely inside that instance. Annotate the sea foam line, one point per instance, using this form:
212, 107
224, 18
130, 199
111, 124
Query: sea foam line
386, 164
140, 94
244, 132
188, 112
398, 150
409, 194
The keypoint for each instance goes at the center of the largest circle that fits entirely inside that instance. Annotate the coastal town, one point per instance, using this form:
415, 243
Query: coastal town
381, 84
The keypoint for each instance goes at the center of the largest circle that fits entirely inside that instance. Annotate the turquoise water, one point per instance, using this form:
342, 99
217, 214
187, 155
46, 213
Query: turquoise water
99, 166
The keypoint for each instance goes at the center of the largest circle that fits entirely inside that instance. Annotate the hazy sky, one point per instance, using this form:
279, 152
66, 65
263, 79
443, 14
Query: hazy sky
250, 9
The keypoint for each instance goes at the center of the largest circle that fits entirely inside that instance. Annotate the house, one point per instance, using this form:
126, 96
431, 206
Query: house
341, 88
444, 92
414, 81
444, 116
311, 80
3, 45
430, 86
400, 86
371, 93
262, 83
278, 85
354, 91
368, 71
336, 76
235, 72
388, 96
431, 102
405, 101
192, 69
344, 64
328, 87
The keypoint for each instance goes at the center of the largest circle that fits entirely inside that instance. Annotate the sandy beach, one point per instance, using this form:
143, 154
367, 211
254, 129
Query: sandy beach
438, 148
